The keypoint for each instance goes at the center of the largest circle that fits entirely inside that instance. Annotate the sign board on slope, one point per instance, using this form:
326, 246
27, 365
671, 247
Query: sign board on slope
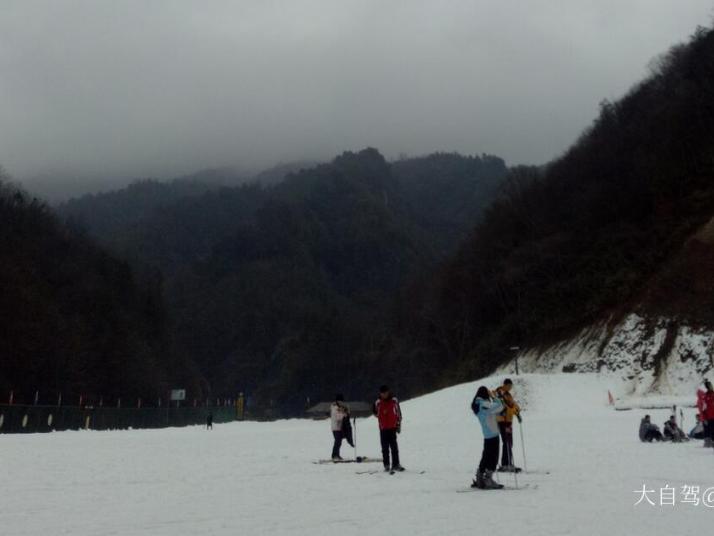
178, 394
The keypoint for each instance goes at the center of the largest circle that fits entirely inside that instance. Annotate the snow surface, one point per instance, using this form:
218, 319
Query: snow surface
256, 478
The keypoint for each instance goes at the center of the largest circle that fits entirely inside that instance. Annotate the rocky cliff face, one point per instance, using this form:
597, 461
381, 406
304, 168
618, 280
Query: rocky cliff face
647, 356
660, 344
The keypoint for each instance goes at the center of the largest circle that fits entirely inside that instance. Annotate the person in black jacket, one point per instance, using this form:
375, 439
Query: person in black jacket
649, 431
673, 432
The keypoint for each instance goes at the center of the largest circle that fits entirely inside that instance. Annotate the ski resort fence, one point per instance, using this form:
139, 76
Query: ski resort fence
18, 418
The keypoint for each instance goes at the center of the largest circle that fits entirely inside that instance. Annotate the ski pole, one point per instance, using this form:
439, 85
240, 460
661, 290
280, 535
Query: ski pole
354, 420
523, 446
511, 460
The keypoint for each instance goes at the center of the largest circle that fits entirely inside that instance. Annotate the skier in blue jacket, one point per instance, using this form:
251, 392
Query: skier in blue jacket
486, 408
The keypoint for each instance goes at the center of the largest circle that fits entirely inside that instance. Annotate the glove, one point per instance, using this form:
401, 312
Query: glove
518, 416
399, 429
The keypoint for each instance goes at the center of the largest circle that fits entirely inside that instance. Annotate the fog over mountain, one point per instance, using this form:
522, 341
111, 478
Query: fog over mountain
94, 94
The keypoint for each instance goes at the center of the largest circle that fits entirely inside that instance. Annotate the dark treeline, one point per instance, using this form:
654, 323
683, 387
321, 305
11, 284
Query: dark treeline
288, 291
107, 213
579, 240
72, 318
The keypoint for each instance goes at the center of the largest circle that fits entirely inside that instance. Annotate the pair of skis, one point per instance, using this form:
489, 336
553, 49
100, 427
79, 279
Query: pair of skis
527, 485
358, 459
467, 490
504, 488
392, 472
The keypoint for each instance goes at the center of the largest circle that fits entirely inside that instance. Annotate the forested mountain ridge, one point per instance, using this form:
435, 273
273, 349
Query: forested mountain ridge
283, 290
608, 228
353, 272
103, 214
439, 193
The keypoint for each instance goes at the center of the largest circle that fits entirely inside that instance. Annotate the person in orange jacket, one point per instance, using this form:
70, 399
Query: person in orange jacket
505, 425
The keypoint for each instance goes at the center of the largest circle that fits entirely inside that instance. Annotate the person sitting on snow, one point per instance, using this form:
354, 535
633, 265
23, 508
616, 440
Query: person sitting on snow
649, 431
673, 432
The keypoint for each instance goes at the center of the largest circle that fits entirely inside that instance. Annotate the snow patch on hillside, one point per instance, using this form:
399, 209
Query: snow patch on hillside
643, 358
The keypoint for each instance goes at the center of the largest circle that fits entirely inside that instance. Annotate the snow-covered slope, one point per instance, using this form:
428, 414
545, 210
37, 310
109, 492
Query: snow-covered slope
256, 478
642, 358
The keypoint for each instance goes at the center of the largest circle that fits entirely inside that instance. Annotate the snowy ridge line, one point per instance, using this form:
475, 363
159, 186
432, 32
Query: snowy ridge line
645, 358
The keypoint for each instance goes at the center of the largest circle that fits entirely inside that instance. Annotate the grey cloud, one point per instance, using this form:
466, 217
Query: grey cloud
108, 89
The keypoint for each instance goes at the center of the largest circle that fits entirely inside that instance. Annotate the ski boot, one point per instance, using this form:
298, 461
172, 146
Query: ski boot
509, 469
488, 481
398, 468
478, 483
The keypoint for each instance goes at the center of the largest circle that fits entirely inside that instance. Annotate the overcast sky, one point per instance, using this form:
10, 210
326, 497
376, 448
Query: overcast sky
120, 88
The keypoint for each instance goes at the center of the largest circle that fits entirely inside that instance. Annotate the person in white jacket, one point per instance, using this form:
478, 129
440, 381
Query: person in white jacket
338, 412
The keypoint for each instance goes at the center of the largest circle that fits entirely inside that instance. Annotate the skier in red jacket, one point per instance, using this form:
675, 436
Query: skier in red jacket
389, 415
707, 412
